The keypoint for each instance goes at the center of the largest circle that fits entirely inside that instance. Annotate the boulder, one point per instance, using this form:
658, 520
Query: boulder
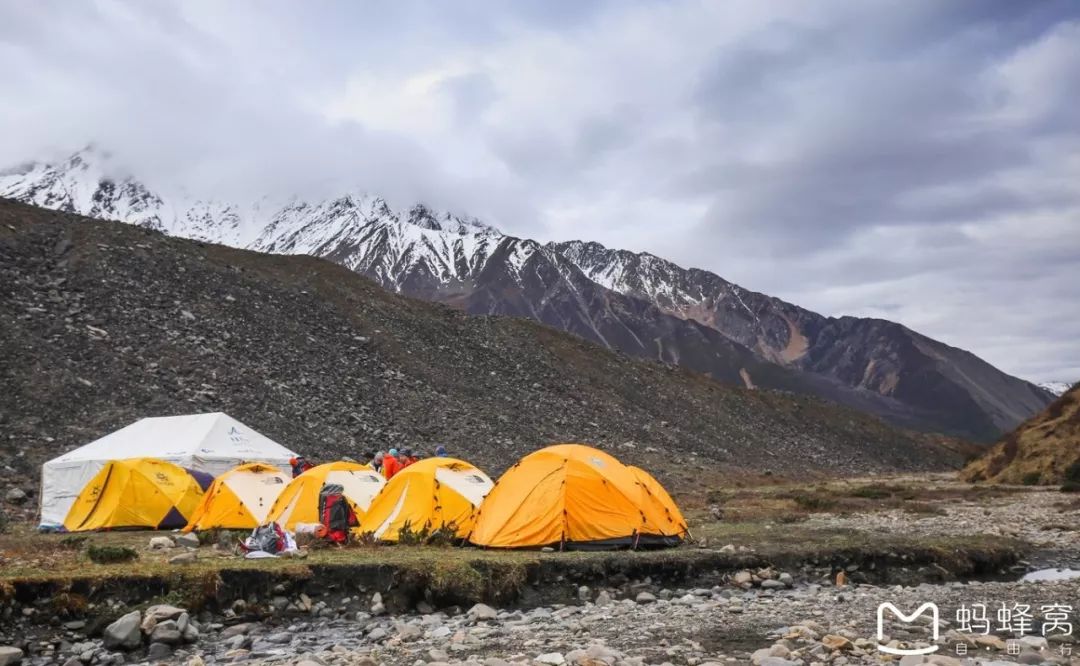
743, 577
15, 495
10, 655
482, 612
645, 598
551, 659
183, 558
125, 633
604, 599
187, 540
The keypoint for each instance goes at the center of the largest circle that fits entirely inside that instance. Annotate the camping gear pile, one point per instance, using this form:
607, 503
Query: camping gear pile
210, 471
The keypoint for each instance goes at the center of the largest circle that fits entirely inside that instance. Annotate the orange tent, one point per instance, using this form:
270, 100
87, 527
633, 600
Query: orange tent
239, 499
574, 496
299, 502
429, 494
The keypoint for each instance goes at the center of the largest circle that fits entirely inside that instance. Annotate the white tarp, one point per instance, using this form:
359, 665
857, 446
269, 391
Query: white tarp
212, 443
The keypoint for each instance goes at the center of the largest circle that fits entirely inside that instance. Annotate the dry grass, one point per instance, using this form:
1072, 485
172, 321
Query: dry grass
793, 503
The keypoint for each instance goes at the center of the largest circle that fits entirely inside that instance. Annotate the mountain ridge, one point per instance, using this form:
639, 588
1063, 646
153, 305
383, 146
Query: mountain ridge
105, 323
634, 302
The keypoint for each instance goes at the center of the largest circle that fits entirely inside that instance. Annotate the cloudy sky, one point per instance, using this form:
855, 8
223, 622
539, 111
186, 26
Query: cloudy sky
913, 160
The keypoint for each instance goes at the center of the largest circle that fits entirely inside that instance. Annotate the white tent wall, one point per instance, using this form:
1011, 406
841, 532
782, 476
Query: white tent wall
213, 443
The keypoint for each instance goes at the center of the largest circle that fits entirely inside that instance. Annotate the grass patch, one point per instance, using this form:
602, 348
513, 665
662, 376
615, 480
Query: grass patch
111, 554
870, 492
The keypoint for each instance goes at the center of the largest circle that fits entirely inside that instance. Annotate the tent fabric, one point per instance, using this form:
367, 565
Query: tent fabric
662, 508
212, 443
299, 502
239, 499
136, 492
429, 494
574, 496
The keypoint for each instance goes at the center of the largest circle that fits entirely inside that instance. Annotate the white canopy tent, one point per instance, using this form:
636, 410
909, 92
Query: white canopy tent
212, 443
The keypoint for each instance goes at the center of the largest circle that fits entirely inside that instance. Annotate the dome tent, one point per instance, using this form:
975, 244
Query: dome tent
430, 494
573, 496
239, 499
212, 443
666, 512
136, 492
299, 501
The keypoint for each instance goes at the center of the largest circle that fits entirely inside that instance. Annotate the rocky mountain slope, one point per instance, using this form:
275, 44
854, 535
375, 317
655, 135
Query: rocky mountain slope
1039, 451
104, 323
635, 303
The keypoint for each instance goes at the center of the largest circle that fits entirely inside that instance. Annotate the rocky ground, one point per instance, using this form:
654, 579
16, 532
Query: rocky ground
764, 617
767, 616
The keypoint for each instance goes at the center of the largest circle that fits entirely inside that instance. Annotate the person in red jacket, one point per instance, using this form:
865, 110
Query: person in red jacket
391, 465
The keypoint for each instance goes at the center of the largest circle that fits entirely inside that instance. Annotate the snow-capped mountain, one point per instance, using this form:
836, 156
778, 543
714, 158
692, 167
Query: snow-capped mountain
1057, 388
632, 302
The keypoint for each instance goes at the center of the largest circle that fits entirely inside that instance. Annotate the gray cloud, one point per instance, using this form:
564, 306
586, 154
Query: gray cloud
913, 159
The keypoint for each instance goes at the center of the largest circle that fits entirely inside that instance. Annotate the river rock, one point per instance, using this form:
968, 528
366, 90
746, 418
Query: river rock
167, 633
645, 598
9, 654
481, 612
237, 630
834, 642
158, 651
125, 633
772, 584
551, 659
15, 496
409, 632
743, 577
604, 599
183, 558
160, 613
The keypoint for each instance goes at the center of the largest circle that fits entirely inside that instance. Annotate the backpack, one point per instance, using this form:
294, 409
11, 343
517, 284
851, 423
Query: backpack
268, 538
336, 513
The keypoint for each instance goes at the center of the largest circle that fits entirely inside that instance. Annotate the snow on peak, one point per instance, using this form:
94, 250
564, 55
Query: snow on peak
1057, 388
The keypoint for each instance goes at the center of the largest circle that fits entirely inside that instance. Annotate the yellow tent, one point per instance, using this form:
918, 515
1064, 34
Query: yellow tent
240, 498
572, 496
431, 494
135, 492
299, 502
663, 514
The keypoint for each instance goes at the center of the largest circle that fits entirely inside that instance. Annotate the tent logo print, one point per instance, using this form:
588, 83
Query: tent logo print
236, 436
935, 633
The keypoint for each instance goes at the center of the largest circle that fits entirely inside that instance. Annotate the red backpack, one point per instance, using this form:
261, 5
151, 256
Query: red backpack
336, 513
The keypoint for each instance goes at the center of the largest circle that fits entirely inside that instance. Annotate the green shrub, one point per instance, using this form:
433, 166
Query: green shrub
1031, 479
110, 554
1071, 482
73, 542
